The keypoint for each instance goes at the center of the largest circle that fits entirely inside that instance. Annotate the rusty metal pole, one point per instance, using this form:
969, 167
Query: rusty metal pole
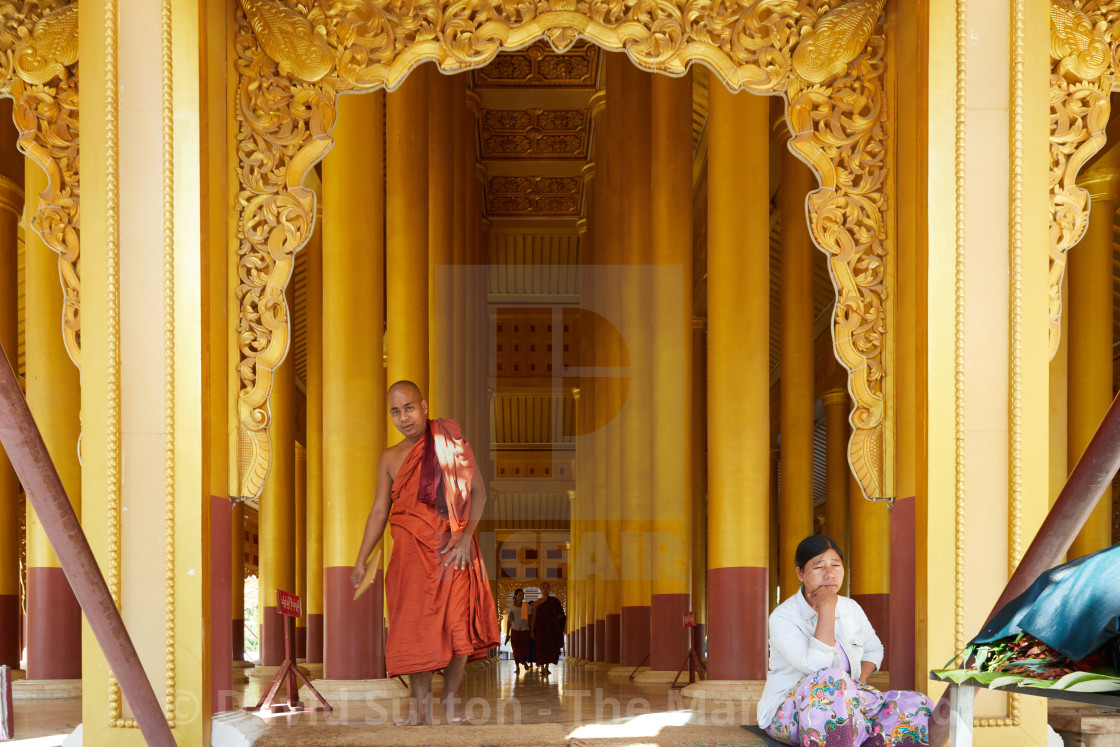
24, 445
1086, 484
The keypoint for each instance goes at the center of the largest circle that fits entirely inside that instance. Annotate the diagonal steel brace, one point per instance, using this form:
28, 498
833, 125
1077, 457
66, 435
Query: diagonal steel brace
24, 445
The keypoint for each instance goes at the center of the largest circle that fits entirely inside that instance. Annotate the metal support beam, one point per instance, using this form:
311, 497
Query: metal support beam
24, 444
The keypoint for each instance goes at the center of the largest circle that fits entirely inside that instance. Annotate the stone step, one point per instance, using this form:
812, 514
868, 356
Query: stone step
1085, 725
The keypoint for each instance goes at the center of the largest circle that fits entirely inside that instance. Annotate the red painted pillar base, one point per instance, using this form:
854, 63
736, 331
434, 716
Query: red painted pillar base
635, 636
54, 627
271, 637
614, 638
601, 640
238, 631
301, 642
878, 609
586, 642
9, 630
699, 641
737, 623
315, 639
221, 607
669, 636
353, 631
903, 629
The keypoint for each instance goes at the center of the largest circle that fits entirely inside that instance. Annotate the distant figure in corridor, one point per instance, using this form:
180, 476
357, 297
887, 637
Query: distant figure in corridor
441, 611
548, 627
517, 631
822, 652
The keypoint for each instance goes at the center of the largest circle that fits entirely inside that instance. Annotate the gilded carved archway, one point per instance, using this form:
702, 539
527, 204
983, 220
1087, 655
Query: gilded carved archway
826, 59
1084, 63
39, 71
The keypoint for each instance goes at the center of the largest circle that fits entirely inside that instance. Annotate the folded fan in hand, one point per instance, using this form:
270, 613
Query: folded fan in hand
372, 567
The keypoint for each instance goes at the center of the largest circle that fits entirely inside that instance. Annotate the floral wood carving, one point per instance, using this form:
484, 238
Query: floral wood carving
285, 114
39, 70
1083, 53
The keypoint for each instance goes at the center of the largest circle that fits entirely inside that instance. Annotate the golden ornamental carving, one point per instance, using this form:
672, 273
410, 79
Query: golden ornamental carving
841, 132
1083, 52
51, 48
1077, 42
836, 40
39, 70
287, 37
285, 117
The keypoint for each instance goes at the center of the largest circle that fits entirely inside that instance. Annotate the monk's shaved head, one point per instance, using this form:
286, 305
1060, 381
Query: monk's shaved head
407, 386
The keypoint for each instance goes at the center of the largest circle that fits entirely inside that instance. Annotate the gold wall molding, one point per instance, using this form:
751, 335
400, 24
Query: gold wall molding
39, 71
1084, 44
294, 60
167, 115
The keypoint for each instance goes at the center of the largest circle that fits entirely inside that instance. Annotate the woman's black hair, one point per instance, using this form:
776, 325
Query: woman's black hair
811, 547
515, 591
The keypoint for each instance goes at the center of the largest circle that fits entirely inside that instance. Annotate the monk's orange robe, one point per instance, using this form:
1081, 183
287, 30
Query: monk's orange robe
435, 613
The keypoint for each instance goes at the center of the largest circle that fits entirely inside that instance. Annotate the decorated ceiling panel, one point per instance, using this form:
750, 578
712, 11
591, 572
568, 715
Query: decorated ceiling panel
540, 66
535, 129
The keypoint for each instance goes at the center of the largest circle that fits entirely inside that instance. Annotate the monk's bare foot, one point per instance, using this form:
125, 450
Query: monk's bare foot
411, 721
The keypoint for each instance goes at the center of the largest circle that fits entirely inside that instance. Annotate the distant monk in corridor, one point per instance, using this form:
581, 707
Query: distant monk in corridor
548, 627
441, 611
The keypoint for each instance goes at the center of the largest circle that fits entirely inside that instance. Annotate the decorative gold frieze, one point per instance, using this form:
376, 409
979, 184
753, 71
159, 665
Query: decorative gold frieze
39, 70
837, 119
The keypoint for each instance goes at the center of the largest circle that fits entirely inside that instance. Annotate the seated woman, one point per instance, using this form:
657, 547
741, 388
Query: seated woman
822, 650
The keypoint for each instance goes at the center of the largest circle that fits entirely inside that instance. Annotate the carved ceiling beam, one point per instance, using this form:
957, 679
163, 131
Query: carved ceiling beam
825, 59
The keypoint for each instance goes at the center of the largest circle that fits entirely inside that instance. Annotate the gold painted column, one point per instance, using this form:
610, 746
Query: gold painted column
441, 240
278, 514
11, 207
634, 223
353, 380
608, 260
1089, 305
54, 641
672, 409
406, 231
738, 383
314, 441
836, 404
796, 520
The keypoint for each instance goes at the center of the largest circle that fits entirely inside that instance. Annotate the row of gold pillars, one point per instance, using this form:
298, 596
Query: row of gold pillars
423, 225
642, 586
646, 544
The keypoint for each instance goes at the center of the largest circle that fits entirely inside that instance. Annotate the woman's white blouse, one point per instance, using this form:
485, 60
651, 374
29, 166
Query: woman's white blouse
795, 652
519, 623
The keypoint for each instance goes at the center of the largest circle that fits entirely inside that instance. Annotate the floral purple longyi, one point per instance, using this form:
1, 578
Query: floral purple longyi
830, 709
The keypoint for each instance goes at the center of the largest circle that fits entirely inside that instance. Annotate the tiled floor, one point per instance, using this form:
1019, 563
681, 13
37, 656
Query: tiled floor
492, 694
495, 695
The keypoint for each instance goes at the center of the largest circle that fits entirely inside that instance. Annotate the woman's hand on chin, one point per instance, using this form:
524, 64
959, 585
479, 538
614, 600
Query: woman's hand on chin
822, 597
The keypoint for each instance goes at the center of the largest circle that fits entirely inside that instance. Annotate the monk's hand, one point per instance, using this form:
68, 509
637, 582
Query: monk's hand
358, 574
457, 554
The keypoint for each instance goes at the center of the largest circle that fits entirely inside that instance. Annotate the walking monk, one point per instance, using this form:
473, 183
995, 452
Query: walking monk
441, 611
